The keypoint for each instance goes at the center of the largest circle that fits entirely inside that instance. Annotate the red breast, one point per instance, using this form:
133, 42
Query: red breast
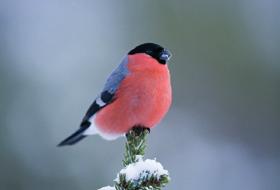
143, 97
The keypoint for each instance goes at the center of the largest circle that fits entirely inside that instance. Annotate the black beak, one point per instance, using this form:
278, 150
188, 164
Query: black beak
165, 55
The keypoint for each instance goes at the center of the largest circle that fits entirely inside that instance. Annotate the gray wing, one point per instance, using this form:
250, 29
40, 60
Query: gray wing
116, 77
108, 92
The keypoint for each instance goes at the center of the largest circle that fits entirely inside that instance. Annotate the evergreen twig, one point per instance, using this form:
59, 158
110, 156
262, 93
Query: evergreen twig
135, 144
139, 174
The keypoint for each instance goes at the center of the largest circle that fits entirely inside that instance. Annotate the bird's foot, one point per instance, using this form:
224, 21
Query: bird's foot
137, 130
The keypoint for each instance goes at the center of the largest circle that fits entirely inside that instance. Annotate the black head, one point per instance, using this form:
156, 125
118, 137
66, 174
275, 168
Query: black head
154, 50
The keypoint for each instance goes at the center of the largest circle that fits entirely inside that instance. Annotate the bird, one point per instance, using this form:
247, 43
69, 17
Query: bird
137, 93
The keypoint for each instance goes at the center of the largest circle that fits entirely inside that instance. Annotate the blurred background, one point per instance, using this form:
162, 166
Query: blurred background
222, 131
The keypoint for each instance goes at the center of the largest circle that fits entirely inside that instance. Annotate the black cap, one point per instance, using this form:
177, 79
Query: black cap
154, 50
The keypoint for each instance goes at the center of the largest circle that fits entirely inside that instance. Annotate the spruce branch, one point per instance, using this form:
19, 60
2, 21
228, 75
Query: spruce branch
139, 174
135, 145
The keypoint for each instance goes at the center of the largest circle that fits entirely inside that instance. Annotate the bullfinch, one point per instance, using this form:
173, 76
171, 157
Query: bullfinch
136, 94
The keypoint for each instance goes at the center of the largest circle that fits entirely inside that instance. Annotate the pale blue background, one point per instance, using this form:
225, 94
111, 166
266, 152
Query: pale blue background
222, 132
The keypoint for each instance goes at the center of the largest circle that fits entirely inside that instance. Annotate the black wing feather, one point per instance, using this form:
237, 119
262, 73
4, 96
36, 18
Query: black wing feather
107, 98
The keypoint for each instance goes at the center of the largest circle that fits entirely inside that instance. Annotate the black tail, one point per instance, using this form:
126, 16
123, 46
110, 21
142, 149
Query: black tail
74, 138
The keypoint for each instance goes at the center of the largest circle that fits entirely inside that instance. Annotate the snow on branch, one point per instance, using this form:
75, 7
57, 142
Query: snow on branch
107, 188
139, 174
147, 173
